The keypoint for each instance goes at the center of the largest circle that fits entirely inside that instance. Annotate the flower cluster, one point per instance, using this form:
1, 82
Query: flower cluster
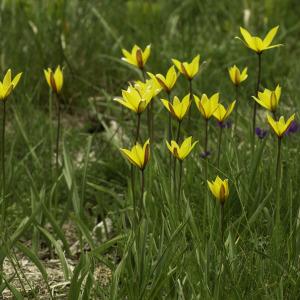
140, 96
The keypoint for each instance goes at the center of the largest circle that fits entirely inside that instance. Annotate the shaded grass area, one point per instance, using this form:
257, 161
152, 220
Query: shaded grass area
177, 252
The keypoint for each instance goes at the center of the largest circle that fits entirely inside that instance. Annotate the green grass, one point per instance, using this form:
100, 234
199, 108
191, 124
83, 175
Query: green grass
177, 251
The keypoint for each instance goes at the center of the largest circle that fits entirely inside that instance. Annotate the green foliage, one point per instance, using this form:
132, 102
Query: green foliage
176, 251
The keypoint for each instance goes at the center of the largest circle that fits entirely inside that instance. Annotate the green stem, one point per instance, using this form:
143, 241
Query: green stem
178, 132
222, 224
58, 130
142, 194
190, 110
170, 121
135, 213
3, 206
219, 145
180, 180
256, 93
206, 137
236, 107
174, 166
138, 125
152, 120
169, 140
278, 181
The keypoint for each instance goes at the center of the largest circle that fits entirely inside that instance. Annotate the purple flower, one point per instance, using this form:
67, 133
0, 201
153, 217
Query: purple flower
226, 124
261, 133
205, 154
294, 127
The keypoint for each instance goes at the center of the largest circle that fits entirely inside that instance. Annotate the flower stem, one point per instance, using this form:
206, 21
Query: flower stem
169, 139
138, 125
219, 145
236, 107
174, 166
190, 110
149, 110
3, 206
255, 103
132, 174
178, 131
180, 180
278, 181
222, 224
170, 121
206, 137
142, 194
58, 130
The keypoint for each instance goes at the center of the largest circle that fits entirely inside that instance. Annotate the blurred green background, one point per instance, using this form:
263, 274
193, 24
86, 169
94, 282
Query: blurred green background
86, 37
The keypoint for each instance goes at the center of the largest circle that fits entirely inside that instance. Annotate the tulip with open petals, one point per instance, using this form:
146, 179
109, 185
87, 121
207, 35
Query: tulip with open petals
137, 57
138, 155
219, 189
178, 109
207, 106
221, 113
150, 84
269, 99
8, 85
54, 79
136, 99
189, 70
166, 82
257, 44
236, 76
281, 126
182, 151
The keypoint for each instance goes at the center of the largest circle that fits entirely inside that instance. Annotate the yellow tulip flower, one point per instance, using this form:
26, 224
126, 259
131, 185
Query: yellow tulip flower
136, 98
150, 84
55, 80
178, 109
168, 82
8, 85
137, 57
221, 113
236, 76
219, 189
269, 99
138, 155
207, 106
257, 44
181, 152
281, 126
189, 70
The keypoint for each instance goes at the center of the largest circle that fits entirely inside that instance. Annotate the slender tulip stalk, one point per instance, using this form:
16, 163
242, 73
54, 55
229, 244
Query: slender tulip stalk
220, 190
178, 110
237, 77
180, 153
189, 70
55, 81
206, 106
280, 128
259, 46
222, 114
139, 157
167, 84
6, 87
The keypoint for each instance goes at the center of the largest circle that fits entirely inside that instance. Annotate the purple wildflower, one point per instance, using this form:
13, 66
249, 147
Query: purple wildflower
205, 154
261, 133
294, 127
226, 124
